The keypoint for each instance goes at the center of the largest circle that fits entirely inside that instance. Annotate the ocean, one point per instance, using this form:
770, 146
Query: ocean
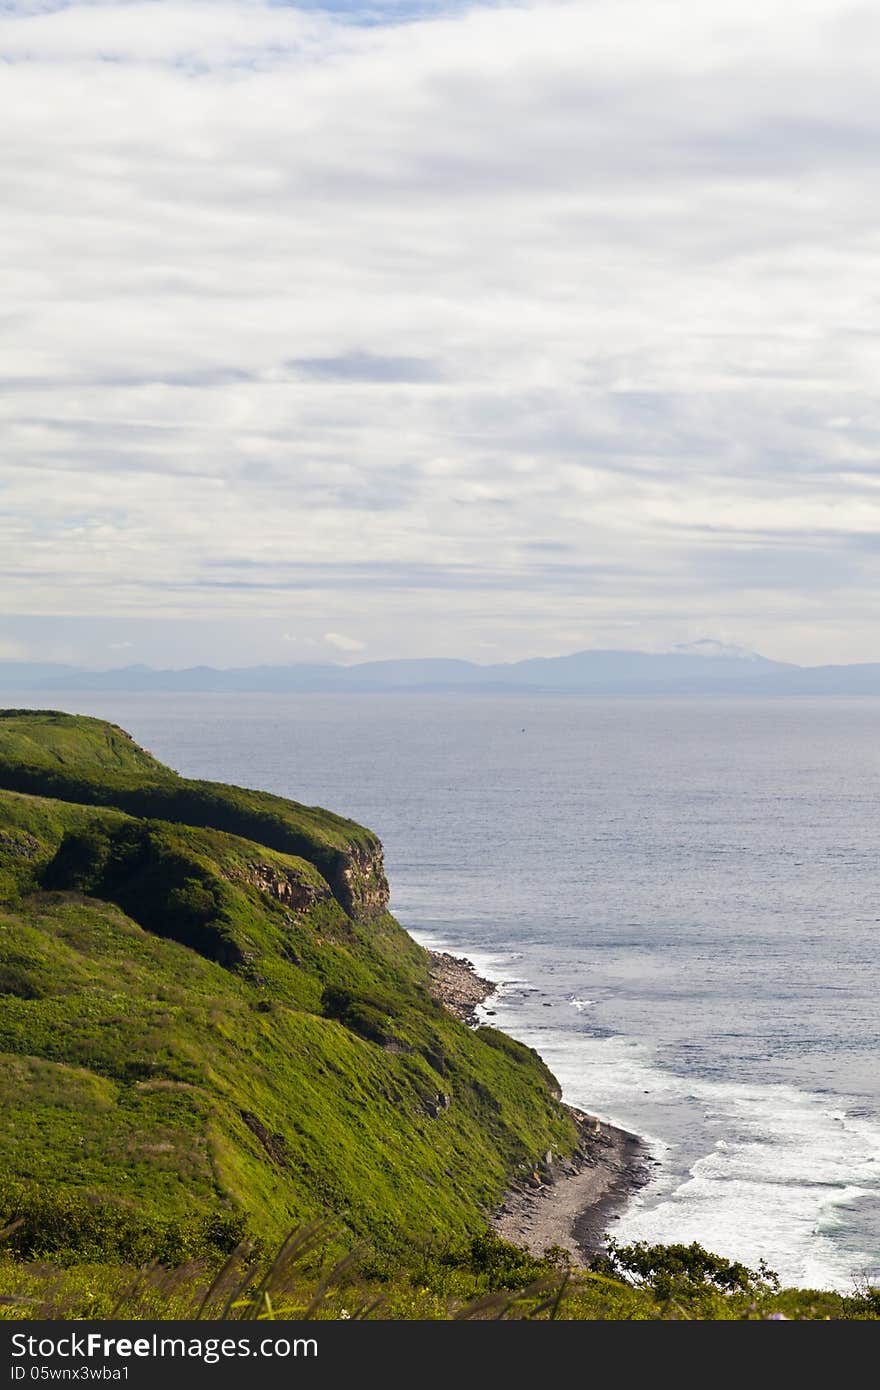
679, 897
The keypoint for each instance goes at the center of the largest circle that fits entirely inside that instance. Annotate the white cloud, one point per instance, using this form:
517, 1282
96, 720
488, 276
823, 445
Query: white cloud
553, 320
343, 643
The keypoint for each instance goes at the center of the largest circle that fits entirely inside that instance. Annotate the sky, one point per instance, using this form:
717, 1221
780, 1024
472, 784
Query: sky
350, 332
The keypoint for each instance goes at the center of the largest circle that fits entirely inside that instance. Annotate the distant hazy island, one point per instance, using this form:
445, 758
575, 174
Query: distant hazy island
701, 668
217, 1044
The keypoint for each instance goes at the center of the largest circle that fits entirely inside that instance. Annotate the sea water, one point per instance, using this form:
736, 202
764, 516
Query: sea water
680, 898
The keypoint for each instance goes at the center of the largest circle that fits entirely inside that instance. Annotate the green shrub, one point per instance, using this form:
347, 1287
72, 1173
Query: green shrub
864, 1303
72, 1227
668, 1270
502, 1265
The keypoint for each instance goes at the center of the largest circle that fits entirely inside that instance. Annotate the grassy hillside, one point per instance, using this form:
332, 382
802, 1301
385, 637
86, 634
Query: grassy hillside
73, 758
209, 1022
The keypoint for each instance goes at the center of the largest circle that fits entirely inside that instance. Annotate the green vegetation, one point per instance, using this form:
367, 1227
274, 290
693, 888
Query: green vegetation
481, 1279
212, 1033
73, 758
196, 1032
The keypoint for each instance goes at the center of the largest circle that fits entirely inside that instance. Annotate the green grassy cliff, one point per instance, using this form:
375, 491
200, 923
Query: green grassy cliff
209, 1022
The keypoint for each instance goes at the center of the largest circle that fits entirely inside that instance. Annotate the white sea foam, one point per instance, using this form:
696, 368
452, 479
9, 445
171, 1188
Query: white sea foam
779, 1175
781, 1168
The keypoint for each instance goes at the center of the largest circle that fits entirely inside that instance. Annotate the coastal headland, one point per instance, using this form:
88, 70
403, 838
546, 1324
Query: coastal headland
212, 1026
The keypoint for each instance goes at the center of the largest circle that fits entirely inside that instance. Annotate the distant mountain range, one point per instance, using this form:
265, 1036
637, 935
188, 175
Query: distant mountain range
703, 668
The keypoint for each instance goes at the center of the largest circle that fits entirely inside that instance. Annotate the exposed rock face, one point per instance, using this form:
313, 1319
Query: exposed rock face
437, 1104
359, 883
22, 845
284, 885
274, 1144
356, 879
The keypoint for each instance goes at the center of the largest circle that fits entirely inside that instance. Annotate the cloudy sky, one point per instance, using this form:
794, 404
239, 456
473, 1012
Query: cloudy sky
480, 330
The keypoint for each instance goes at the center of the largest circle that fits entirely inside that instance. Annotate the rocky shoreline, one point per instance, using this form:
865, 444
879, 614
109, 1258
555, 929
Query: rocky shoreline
456, 984
568, 1202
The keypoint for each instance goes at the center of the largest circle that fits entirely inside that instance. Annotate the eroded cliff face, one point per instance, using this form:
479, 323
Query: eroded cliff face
286, 886
354, 877
359, 883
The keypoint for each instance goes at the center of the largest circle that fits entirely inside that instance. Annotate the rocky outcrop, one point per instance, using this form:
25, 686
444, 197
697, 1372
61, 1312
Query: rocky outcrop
358, 880
274, 1144
286, 886
436, 1105
20, 845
